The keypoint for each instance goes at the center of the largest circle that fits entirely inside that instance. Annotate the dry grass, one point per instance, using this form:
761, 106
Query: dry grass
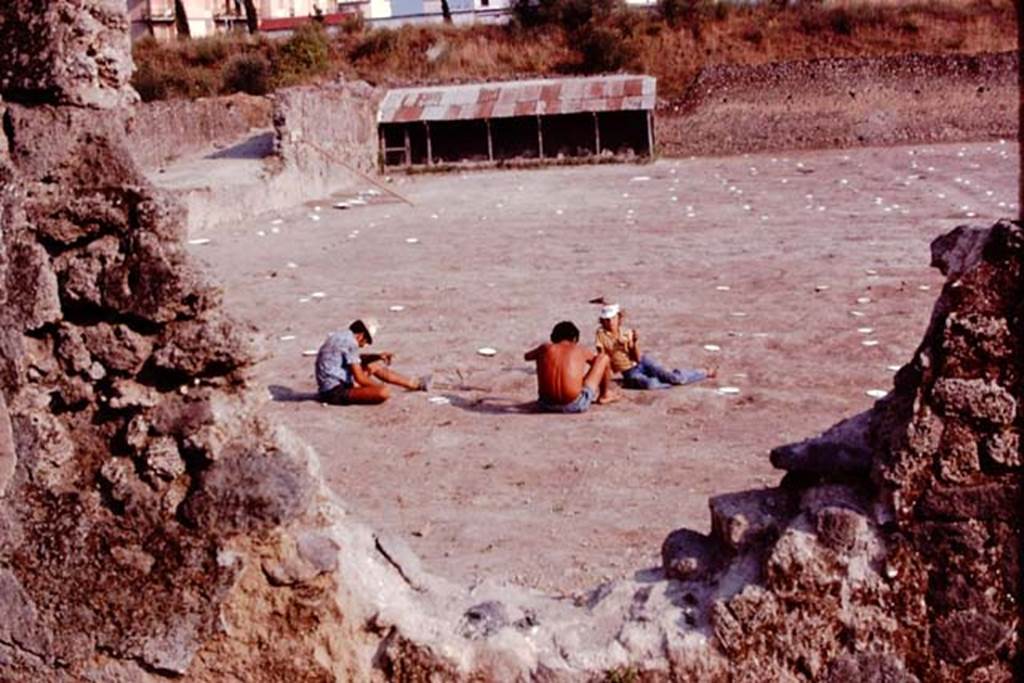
712, 34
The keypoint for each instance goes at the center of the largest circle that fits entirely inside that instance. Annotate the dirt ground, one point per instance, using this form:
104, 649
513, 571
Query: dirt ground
808, 271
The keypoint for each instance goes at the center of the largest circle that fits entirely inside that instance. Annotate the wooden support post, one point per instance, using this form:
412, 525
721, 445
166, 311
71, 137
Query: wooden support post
430, 147
490, 141
540, 138
383, 160
597, 134
650, 134
408, 146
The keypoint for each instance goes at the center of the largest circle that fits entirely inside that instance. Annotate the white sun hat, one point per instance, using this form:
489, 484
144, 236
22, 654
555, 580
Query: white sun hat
372, 326
610, 311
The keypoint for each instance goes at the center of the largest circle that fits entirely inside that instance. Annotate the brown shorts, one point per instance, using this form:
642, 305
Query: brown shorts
338, 396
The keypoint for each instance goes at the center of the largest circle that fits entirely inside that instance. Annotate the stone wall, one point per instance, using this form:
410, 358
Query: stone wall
160, 132
826, 103
328, 129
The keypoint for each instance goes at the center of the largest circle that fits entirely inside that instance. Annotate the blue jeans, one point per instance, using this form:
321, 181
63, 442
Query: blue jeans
647, 374
579, 405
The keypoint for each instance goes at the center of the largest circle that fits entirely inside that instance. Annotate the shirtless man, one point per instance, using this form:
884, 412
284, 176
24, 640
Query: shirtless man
344, 376
564, 382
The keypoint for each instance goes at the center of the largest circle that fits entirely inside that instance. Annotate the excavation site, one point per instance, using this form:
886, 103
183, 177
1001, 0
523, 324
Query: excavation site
835, 263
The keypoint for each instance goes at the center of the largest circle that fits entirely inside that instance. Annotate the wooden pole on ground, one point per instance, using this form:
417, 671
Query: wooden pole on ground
353, 169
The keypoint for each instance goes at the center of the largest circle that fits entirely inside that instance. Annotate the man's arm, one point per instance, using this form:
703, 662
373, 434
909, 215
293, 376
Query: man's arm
361, 376
634, 347
534, 354
367, 358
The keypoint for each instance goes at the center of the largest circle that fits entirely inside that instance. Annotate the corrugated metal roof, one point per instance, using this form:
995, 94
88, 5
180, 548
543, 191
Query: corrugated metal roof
518, 98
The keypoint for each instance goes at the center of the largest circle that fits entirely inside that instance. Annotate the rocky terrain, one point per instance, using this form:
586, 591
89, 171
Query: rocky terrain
152, 525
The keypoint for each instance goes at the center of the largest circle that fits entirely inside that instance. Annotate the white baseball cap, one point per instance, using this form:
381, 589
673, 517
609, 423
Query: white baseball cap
610, 311
372, 326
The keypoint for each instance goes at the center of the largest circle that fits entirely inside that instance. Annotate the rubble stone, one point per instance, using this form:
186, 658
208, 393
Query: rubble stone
741, 519
976, 399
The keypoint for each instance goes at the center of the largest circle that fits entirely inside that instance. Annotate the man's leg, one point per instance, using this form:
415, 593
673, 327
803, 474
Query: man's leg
678, 377
599, 379
386, 374
364, 395
637, 377
368, 395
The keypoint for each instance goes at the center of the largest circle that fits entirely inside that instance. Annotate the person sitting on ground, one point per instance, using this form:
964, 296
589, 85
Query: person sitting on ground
564, 382
344, 376
639, 371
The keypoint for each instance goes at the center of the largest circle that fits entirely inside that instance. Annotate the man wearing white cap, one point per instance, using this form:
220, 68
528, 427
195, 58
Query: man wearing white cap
638, 371
344, 376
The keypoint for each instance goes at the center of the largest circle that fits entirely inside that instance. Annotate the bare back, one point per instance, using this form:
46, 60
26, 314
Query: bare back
561, 368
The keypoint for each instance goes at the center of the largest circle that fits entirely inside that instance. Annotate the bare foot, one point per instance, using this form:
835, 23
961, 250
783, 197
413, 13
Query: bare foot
712, 372
610, 397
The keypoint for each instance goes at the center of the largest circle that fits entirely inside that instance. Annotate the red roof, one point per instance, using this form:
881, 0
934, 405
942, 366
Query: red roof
519, 98
290, 23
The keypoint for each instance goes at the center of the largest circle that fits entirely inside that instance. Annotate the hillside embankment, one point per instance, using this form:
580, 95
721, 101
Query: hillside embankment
840, 103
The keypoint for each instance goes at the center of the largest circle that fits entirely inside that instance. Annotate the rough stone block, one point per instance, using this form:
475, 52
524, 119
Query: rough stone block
833, 495
119, 348
841, 528
32, 286
213, 344
163, 461
958, 459
798, 565
959, 251
977, 338
689, 556
994, 500
1004, 448
966, 636
752, 611
743, 518
484, 620
246, 492
66, 52
841, 450
869, 667
976, 399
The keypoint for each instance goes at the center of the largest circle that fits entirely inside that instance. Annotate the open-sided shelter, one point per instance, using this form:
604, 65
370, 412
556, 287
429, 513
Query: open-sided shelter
542, 119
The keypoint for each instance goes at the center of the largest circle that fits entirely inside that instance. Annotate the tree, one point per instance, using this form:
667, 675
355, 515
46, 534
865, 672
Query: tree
252, 19
181, 20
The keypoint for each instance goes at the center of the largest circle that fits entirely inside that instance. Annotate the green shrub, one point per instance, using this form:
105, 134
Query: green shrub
306, 53
841, 22
377, 42
603, 49
571, 15
208, 51
248, 73
678, 13
150, 82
